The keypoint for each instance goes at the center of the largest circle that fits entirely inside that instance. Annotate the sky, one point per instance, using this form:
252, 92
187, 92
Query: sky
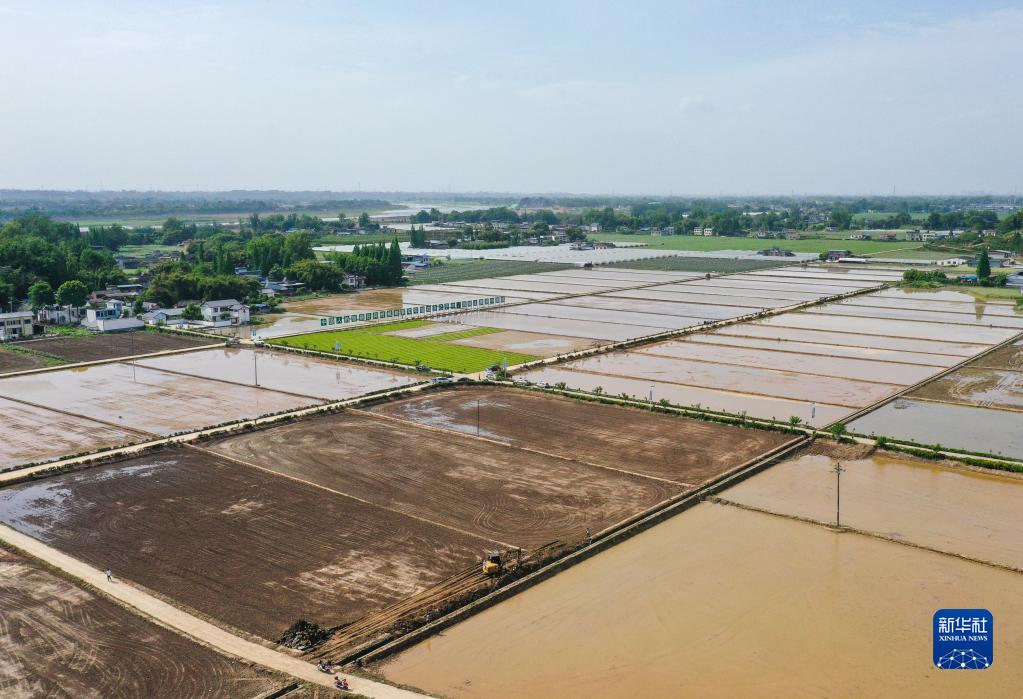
683, 98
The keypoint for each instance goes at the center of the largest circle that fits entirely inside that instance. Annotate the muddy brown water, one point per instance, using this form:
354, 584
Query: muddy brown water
723, 602
989, 388
741, 379
757, 329
689, 396
954, 426
934, 360
283, 371
146, 399
942, 506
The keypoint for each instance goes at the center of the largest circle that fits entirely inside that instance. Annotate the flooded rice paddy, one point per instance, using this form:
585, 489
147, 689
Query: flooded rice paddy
33, 434
537, 344
928, 316
759, 329
891, 328
804, 364
785, 359
822, 348
724, 602
145, 399
283, 371
736, 378
901, 497
818, 414
970, 428
988, 388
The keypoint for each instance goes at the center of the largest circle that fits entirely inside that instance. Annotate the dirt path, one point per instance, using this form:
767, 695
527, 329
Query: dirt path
191, 626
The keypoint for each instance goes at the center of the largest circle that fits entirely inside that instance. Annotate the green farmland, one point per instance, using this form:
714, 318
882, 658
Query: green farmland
833, 241
461, 270
434, 351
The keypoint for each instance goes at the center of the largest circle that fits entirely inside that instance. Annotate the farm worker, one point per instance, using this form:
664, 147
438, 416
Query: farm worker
110, 575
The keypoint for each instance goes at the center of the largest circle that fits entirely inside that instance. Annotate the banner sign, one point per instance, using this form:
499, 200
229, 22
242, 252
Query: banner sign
411, 311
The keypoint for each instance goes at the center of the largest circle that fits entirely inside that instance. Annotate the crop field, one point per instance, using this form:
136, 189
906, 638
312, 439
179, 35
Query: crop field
715, 243
374, 342
460, 270
978, 407
719, 265
248, 548
814, 366
285, 372
33, 434
12, 360
145, 400
88, 348
61, 639
335, 517
656, 445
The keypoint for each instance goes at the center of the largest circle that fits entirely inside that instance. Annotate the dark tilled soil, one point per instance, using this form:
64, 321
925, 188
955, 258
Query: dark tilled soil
245, 547
60, 640
19, 361
658, 445
89, 348
507, 494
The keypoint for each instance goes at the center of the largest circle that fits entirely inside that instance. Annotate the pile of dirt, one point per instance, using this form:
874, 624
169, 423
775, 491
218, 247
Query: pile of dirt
305, 635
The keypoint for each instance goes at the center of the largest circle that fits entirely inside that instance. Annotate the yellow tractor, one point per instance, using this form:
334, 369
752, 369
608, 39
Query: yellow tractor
492, 564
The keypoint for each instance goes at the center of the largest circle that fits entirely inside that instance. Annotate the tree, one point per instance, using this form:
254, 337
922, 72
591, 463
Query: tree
192, 312
394, 262
363, 220
40, 294
137, 308
72, 293
1017, 242
983, 266
6, 294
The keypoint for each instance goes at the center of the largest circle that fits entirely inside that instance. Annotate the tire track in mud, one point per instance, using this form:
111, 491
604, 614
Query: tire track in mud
59, 639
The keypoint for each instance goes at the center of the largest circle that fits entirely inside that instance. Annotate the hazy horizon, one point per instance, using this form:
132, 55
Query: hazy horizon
656, 99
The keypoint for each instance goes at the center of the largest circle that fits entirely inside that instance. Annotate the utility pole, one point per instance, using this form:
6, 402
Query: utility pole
255, 369
477, 417
838, 493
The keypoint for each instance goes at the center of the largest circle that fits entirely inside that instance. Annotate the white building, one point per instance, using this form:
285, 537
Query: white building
224, 312
15, 325
164, 316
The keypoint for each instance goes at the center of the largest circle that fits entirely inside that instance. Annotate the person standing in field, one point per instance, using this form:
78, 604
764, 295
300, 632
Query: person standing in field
110, 575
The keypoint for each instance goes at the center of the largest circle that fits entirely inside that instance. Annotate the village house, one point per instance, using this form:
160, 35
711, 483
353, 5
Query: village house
224, 312
16, 325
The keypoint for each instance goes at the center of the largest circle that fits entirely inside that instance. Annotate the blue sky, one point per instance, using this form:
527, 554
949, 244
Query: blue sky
683, 98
